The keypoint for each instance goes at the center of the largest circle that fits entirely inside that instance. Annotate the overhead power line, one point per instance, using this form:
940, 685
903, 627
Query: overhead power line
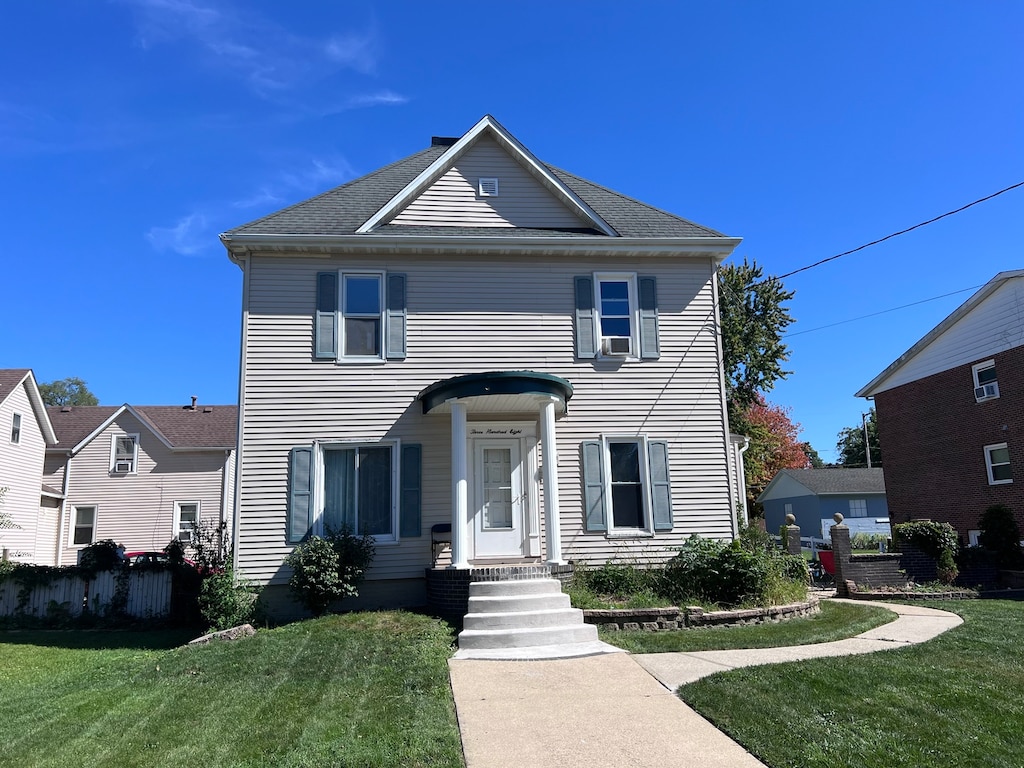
896, 234
882, 312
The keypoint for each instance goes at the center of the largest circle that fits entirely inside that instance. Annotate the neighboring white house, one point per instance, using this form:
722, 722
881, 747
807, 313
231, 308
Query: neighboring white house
25, 433
140, 475
472, 337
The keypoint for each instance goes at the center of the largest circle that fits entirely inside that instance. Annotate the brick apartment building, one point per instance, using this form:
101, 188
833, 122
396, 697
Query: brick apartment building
951, 413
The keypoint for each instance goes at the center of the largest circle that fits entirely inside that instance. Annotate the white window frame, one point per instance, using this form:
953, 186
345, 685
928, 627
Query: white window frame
113, 454
16, 428
978, 368
74, 526
989, 463
177, 530
787, 508
633, 296
854, 512
973, 538
643, 456
320, 448
381, 316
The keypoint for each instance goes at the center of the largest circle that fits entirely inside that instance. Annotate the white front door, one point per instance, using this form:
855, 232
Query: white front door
498, 499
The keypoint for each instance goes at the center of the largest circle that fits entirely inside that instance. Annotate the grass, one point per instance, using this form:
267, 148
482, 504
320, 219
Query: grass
957, 700
836, 621
353, 690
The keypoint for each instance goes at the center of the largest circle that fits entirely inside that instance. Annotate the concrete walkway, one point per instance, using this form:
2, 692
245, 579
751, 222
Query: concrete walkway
617, 710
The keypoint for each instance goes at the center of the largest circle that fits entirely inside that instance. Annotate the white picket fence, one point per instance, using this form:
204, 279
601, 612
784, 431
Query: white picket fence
149, 595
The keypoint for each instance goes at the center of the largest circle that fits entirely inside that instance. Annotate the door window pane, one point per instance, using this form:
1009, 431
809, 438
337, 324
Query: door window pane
497, 488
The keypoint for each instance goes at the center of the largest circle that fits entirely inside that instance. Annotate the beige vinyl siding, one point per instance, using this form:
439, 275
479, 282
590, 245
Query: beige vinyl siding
137, 510
21, 471
467, 316
522, 200
994, 325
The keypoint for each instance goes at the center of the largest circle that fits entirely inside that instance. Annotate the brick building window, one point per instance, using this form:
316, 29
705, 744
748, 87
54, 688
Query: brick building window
985, 385
997, 461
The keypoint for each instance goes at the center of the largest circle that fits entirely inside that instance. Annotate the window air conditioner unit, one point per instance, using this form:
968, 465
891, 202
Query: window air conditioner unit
986, 392
122, 466
616, 346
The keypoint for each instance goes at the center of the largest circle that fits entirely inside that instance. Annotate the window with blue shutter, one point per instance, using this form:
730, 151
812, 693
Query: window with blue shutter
360, 316
617, 316
411, 496
626, 486
300, 494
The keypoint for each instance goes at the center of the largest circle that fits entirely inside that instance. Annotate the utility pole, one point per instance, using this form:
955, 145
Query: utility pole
867, 445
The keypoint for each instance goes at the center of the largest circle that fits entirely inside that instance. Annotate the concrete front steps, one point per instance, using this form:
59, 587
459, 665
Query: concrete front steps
524, 619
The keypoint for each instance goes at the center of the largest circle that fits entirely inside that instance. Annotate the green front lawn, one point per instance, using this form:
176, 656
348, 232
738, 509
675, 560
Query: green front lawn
354, 690
956, 700
836, 621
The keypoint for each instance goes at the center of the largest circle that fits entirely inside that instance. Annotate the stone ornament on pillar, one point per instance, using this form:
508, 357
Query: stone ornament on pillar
792, 537
841, 547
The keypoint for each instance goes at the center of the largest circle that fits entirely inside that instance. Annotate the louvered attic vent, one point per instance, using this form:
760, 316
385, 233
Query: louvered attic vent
488, 187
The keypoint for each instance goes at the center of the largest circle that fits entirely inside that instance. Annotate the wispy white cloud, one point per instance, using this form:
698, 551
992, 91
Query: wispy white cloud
188, 237
318, 175
265, 54
380, 98
263, 196
359, 52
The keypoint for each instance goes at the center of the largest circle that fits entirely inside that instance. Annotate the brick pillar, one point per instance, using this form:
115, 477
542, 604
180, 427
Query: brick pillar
792, 535
843, 551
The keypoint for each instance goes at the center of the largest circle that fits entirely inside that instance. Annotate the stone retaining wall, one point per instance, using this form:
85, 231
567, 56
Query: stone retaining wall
664, 619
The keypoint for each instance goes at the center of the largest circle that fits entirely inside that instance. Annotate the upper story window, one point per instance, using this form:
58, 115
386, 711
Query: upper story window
360, 316
616, 316
985, 385
997, 461
16, 429
858, 507
124, 454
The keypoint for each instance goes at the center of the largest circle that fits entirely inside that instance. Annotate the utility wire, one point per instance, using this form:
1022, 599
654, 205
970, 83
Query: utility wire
882, 312
895, 234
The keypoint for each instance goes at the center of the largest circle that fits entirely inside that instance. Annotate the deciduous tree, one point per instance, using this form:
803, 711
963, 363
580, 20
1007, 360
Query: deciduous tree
850, 447
69, 391
774, 445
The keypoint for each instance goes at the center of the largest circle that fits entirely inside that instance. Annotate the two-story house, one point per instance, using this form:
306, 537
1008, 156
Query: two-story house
140, 475
28, 510
951, 413
470, 337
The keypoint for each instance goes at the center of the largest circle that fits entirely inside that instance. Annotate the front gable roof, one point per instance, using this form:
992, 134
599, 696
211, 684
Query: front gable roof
832, 481
362, 211
896, 373
10, 380
179, 428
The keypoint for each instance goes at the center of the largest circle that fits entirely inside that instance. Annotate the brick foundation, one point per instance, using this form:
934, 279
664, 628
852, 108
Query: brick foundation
448, 588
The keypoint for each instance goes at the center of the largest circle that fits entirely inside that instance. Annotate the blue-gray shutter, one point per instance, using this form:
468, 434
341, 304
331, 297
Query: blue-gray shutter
300, 493
595, 508
395, 320
649, 347
586, 344
661, 487
411, 494
326, 320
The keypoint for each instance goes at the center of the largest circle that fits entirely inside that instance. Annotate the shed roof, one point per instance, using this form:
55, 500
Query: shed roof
834, 481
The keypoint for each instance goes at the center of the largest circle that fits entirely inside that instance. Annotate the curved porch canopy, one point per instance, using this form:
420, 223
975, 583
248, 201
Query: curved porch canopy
497, 392
541, 395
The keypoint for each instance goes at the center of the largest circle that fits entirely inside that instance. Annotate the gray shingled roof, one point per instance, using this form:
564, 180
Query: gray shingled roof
181, 426
10, 378
839, 480
342, 210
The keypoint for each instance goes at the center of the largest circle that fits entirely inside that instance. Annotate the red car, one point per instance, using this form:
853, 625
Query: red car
151, 558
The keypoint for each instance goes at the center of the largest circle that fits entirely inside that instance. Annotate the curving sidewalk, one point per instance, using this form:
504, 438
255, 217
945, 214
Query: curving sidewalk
607, 710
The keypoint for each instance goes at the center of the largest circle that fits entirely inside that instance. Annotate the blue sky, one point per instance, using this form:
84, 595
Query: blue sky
133, 132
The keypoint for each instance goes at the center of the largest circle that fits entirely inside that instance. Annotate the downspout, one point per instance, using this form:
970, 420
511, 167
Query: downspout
63, 512
741, 475
245, 264
223, 502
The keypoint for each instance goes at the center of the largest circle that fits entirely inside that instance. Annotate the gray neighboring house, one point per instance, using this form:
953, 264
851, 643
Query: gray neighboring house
470, 337
813, 495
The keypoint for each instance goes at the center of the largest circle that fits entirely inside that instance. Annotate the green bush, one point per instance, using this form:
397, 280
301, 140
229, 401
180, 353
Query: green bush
946, 567
930, 537
1000, 534
225, 603
868, 540
745, 572
327, 569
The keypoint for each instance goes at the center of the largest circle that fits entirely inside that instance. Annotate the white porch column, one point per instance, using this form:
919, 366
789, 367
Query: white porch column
552, 526
460, 487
